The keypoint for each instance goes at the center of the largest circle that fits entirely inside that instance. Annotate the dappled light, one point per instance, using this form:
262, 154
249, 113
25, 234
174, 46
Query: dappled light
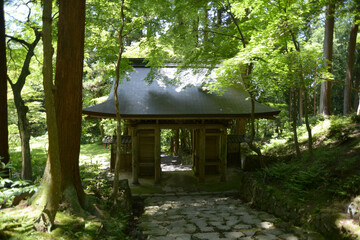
179, 120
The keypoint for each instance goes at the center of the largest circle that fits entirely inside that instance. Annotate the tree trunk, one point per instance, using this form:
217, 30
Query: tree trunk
294, 125
24, 130
22, 110
118, 117
52, 177
358, 109
356, 82
308, 128
4, 140
301, 107
101, 130
325, 97
68, 81
349, 67
315, 97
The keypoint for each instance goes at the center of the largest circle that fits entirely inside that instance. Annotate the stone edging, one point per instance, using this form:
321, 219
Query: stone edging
180, 194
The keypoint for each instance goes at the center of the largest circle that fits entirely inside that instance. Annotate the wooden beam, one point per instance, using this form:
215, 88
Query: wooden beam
202, 155
135, 156
223, 156
180, 125
157, 153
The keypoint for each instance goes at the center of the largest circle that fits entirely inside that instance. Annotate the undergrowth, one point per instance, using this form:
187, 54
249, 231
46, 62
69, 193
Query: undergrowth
333, 174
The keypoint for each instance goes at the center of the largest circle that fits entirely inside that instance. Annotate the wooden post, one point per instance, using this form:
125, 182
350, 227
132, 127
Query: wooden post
157, 155
135, 156
202, 155
223, 155
193, 148
241, 126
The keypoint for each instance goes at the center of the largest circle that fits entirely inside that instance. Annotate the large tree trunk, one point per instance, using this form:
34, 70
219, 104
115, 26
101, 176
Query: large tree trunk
4, 141
68, 81
52, 177
118, 117
22, 110
349, 67
325, 96
357, 82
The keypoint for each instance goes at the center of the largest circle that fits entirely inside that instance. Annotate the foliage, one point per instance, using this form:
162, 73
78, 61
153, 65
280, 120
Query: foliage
10, 188
332, 174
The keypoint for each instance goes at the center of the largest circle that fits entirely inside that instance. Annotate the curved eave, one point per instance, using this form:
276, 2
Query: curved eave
268, 115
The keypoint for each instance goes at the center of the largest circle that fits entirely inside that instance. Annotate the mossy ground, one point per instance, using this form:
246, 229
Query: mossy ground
329, 180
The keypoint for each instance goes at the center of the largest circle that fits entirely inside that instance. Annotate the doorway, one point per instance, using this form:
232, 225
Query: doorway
176, 152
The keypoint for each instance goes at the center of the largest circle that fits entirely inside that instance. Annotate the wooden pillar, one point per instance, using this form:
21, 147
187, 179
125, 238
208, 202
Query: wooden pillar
202, 155
157, 153
223, 155
241, 126
135, 156
193, 148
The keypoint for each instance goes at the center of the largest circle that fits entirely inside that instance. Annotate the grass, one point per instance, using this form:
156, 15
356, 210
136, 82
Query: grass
17, 222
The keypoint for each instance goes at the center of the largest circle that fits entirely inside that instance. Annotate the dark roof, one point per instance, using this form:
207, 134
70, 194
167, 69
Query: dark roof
139, 99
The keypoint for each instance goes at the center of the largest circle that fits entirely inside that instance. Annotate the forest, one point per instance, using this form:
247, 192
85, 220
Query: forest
58, 57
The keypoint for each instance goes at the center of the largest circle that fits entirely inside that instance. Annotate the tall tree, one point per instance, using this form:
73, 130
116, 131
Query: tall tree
21, 108
118, 116
62, 177
356, 103
68, 96
52, 176
4, 142
325, 95
350, 65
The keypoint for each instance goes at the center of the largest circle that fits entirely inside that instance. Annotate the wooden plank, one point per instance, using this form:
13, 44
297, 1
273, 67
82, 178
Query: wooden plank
202, 148
135, 156
223, 155
157, 152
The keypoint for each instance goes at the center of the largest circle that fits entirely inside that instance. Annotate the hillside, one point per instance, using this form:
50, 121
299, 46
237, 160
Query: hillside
330, 181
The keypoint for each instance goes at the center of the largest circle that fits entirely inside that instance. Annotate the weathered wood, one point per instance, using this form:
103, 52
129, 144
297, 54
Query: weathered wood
192, 136
157, 149
241, 126
202, 153
135, 156
181, 125
223, 156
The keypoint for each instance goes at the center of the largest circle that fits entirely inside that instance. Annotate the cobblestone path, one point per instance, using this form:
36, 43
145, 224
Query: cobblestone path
211, 217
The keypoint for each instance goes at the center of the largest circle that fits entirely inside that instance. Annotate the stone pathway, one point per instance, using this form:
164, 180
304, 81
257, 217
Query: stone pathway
210, 216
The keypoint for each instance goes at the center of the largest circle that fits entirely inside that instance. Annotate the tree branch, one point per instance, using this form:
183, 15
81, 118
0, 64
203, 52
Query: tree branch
223, 34
237, 25
21, 41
